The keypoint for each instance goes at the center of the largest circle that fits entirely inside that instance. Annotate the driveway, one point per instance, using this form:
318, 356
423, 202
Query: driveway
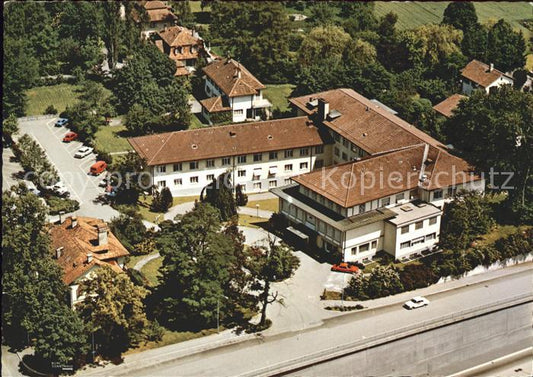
72, 171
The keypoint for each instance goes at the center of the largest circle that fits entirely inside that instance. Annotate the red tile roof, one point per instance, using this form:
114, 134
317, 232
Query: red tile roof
447, 106
155, 4
386, 174
79, 241
364, 123
214, 104
178, 36
480, 73
225, 73
230, 140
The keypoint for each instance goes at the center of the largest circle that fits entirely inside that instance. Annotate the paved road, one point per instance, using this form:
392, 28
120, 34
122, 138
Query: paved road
251, 356
73, 172
8, 169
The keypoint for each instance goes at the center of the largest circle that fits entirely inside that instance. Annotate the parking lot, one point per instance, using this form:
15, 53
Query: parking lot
72, 171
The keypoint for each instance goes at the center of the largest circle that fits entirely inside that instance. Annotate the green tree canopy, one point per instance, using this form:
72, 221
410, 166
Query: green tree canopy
506, 48
327, 41
460, 14
219, 194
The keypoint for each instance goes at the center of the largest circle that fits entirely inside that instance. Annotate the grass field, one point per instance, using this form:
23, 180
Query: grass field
60, 96
416, 13
109, 139
267, 204
278, 95
250, 221
529, 62
151, 271
144, 207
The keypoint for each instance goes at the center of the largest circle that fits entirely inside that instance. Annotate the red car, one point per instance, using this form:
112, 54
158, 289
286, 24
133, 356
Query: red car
345, 267
70, 136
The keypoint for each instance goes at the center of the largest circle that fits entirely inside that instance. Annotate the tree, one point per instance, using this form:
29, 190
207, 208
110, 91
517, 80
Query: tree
219, 194
10, 127
128, 227
83, 119
182, 9
506, 48
113, 310
132, 180
464, 219
382, 281
461, 15
241, 199
255, 33
113, 28
140, 121
359, 17
274, 263
197, 260
475, 42
495, 132
322, 14
328, 41
360, 53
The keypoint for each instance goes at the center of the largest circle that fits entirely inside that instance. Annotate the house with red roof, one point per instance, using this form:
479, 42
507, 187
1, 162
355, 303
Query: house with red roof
480, 76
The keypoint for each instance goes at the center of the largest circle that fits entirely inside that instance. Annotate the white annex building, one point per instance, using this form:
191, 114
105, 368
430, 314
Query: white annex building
480, 76
352, 178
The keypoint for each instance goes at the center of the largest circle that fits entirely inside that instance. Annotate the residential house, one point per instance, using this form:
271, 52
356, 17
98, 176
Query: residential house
260, 155
478, 75
81, 246
182, 45
159, 16
446, 107
233, 90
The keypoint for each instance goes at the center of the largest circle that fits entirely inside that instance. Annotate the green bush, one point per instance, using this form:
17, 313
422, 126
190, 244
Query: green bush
50, 110
162, 200
381, 282
61, 204
414, 276
515, 244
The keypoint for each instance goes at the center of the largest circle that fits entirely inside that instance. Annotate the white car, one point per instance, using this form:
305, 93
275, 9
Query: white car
60, 190
83, 151
416, 302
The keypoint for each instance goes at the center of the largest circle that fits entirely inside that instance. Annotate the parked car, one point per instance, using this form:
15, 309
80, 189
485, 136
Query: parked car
70, 136
61, 122
345, 267
416, 302
32, 188
83, 151
98, 167
103, 183
60, 190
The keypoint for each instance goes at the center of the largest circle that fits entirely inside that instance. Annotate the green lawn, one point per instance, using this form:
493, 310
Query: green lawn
111, 139
529, 62
250, 221
278, 95
196, 123
151, 271
267, 204
172, 337
413, 14
144, 207
60, 96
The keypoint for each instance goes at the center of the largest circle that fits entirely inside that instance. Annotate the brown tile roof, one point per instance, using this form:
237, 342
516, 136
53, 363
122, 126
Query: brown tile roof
364, 123
214, 104
480, 73
224, 74
157, 15
178, 36
448, 105
231, 140
79, 241
155, 4
386, 174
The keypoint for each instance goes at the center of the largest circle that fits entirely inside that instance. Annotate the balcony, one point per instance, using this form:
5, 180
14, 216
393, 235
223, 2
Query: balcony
261, 103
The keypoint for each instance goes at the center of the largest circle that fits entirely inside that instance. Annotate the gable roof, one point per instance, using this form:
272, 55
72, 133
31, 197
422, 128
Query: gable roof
80, 240
448, 105
365, 123
155, 4
214, 104
224, 73
480, 73
387, 174
224, 141
176, 36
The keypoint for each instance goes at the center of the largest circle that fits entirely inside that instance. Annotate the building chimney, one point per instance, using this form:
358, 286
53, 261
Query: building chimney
102, 234
491, 67
73, 221
323, 108
89, 257
59, 252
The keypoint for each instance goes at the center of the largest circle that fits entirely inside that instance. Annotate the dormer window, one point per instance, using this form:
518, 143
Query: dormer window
178, 50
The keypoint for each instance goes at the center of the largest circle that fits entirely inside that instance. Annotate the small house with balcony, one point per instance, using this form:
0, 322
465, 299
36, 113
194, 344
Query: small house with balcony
233, 94
158, 16
82, 245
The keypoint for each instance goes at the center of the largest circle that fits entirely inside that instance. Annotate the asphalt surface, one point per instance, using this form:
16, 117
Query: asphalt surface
72, 171
252, 356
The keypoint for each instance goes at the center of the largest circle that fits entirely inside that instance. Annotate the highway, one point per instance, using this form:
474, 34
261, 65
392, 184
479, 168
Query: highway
251, 357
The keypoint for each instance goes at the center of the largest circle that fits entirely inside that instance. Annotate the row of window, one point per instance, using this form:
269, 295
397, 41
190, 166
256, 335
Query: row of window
365, 247
418, 240
418, 225
257, 157
210, 177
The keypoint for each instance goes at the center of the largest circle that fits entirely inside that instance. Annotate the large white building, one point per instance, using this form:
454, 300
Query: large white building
352, 178
233, 90
480, 76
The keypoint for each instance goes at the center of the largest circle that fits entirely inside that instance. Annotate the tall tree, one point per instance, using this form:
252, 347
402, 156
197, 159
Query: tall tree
506, 48
321, 42
113, 309
359, 17
10, 127
129, 229
495, 132
219, 194
113, 29
461, 15
475, 41
274, 263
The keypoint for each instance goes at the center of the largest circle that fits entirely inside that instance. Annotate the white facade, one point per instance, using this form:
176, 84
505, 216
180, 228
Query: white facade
243, 108
257, 172
469, 86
